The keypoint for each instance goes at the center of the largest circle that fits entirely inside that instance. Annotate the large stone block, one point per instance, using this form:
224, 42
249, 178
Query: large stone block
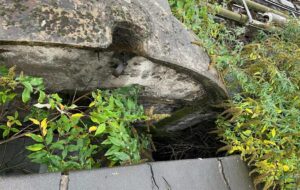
83, 45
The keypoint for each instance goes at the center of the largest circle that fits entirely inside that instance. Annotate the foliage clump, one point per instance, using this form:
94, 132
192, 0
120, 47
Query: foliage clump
261, 120
68, 135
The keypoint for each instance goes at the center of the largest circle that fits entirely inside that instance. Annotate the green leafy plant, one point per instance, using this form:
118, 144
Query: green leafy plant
98, 132
261, 121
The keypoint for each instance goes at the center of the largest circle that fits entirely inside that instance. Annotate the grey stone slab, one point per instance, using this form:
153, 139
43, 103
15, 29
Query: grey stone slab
48, 181
197, 174
164, 4
228, 173
120, 178
236, 173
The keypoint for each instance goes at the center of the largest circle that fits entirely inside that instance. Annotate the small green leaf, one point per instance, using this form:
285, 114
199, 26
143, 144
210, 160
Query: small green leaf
28, 86
122, 156
15, 130
116, 141
72, 148
37, 155
26, 95
273, 132
37, 138
35, 147
42, 96
18, 122
10, 118
64, 153
36, 81
49, 136
57, 145
6, 133
101, 128
112, 150
247, 132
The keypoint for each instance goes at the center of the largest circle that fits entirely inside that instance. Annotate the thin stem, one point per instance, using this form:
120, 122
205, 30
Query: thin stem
16, 137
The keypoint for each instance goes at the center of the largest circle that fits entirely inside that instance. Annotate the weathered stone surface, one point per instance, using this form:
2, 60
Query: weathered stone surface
228, 173
197, 174
236, 173
80, 45
188, 174
131, 177
49, 181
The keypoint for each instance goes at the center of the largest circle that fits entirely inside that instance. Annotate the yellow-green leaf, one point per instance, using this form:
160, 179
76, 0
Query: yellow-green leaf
44, 127
269, 142
100, 129
9, 124
249, 110
35, 147
92, 104
44, 123
273, 132
247, 132
77, 115
285, 168
92, 129
278, 110
37, 138
34, 121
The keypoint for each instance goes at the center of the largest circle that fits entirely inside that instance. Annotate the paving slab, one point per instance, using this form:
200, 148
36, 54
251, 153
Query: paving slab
196, 174
49, 181
236, 173
228, 173
136, 177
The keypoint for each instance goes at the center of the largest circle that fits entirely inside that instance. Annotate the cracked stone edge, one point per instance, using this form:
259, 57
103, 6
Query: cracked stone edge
221, 170
153, 180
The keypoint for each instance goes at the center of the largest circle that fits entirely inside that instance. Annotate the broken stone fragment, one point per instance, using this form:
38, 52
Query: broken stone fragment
84, 45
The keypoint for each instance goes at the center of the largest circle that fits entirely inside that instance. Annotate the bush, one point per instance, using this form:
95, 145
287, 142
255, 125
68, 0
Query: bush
262, 119
98, 132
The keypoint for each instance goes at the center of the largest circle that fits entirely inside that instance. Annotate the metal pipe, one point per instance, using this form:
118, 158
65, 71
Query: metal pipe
248, 11
275, 19
241, 18
258, 7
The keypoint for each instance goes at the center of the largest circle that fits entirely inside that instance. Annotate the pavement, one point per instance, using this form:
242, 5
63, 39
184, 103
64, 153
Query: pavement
226, 173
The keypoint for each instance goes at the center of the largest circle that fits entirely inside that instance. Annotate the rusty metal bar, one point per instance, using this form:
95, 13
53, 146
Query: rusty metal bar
259, 7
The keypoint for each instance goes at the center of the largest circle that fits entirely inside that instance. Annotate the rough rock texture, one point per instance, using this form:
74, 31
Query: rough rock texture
228, 173
76, 44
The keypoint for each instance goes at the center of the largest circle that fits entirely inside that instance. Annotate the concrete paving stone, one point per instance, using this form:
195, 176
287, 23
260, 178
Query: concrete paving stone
228, 173
49, 181
136, 177
196, 174
236, 173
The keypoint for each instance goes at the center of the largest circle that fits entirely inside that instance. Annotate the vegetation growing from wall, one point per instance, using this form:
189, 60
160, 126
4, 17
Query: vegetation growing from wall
262, 116
69, 135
